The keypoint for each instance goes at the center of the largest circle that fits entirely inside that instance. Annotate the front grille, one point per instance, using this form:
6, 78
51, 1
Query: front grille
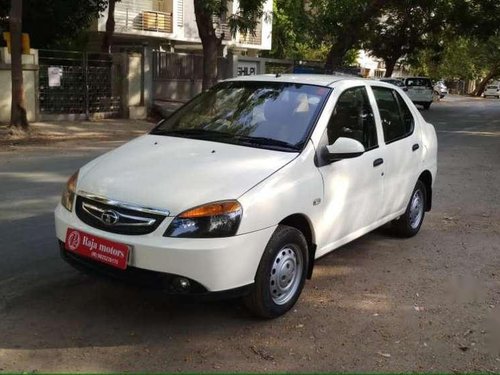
116, 219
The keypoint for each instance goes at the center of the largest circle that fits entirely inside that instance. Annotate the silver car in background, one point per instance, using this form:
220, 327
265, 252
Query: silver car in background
440, 89
420, 90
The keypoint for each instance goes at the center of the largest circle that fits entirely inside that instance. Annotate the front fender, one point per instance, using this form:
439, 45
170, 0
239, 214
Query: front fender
296, 188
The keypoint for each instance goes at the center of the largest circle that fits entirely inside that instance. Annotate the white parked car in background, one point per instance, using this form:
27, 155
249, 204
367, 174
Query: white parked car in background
492, 91
241, 189
441, 89
420, 90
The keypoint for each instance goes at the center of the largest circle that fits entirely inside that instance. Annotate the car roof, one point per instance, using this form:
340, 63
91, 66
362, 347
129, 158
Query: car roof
306, 79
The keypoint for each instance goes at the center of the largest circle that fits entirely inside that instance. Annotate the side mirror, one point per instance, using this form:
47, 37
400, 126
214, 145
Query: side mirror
405, 88
344, 148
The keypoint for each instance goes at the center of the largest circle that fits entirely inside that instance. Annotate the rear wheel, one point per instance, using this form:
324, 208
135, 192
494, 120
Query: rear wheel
281, 274
410, 222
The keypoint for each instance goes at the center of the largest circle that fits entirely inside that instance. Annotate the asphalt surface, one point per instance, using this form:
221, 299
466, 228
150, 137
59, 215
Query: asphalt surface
429, 303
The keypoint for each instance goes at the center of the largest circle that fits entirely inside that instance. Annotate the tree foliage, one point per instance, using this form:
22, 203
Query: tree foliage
207, 12
469, 47
55, 23
405, 26
342, 25
290, 32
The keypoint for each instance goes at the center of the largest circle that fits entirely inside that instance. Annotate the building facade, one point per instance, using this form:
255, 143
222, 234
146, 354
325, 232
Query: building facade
170, 25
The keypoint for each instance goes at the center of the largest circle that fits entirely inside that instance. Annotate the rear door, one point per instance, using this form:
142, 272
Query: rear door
402, 148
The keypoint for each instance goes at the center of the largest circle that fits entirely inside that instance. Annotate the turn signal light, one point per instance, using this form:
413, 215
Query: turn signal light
213, 209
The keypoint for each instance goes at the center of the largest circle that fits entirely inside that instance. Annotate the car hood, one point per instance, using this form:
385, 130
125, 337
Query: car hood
176, 174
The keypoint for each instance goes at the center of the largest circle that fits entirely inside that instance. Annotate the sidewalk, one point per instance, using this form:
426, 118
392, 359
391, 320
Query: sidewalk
459, 98
48, 133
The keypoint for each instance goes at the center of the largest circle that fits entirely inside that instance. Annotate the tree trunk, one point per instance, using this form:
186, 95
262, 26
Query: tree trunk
210, 43
336, 54
110, 27
18, 118
389, 67
351, 36
495, 70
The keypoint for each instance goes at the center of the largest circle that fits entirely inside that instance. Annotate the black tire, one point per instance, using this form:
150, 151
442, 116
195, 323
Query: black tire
260, 301
427, 106
405, 226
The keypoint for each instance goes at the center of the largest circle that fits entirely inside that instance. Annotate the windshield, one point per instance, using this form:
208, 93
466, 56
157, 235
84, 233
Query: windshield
257, 114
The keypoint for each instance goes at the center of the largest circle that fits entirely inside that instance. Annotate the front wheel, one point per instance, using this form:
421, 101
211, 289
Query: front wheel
281, 274
410, 222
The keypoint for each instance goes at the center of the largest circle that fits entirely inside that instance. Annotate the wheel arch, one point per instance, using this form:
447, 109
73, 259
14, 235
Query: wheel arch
426, 178
302, 223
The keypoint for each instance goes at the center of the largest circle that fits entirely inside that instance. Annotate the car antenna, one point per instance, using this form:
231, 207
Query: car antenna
278, 75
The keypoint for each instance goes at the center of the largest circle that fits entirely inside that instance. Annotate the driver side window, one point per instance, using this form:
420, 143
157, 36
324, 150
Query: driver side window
353, 118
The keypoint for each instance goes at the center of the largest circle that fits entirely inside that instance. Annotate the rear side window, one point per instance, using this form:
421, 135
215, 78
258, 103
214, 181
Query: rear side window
397, 119
418, 82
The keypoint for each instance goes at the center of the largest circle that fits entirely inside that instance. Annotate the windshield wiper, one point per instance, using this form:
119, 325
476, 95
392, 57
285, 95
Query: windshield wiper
194, 132
264, 141
228, 137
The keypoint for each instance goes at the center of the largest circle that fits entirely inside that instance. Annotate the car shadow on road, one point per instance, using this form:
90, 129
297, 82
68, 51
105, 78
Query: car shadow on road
66, 308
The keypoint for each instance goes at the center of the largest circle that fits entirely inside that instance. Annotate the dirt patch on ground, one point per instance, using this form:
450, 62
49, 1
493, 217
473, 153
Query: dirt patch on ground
69, 132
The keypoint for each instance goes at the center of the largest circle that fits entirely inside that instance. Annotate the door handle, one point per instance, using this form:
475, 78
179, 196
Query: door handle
415, 147
377, 162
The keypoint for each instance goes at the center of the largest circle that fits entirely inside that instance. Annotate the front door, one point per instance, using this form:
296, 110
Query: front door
353, 188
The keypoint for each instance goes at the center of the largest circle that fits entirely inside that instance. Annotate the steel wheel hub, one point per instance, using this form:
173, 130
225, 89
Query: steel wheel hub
416, 209
286, 274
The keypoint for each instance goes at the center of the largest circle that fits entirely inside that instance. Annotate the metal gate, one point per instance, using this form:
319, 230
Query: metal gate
76, 83
177, 77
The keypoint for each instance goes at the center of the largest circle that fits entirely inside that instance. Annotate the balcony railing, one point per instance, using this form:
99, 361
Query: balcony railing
222, 27
128, 20
252, 38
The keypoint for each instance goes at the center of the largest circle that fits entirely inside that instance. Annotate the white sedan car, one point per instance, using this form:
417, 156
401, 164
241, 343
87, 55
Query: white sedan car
241, 189
492, 91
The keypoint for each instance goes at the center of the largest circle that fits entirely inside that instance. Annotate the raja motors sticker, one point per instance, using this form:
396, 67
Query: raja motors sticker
105, 251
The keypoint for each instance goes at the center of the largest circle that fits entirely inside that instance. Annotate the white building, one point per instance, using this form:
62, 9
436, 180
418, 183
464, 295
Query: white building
171, 25
374, 67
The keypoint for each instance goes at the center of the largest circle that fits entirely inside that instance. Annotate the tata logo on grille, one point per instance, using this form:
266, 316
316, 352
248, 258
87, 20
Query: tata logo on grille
110, 217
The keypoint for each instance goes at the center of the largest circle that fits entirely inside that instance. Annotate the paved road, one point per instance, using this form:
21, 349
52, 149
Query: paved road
430, 303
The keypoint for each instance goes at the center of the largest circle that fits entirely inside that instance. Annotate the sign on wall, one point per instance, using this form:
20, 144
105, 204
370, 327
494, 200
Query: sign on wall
247, 68
55, 74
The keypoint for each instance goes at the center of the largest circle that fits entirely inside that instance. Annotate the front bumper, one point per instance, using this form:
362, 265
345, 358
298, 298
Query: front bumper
214, 264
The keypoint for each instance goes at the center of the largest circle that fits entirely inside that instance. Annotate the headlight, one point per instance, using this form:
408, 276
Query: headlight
218, 219
68, 195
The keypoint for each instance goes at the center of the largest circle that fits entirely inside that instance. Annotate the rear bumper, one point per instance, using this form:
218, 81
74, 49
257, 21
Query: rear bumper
216, 264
